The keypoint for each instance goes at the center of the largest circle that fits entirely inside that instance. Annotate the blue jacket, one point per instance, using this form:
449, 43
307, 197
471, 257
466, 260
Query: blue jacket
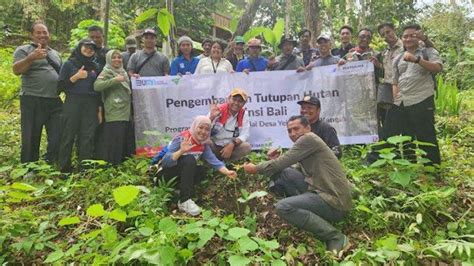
181, 65
254, 64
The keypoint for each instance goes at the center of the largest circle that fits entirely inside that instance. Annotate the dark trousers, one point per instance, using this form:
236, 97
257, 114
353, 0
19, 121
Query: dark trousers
79, 121
306, 209
37, 112
416, 121
189, 174
130, 139
115, 141
99, 142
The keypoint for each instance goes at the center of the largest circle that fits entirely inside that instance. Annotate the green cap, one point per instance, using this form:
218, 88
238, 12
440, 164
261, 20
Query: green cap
239, 39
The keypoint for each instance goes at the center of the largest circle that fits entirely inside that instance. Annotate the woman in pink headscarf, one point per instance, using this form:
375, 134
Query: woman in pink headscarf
181, 161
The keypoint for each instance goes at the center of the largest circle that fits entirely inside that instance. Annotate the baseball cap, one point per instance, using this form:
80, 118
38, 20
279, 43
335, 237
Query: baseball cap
149, 31
130, 42
324, 37
311, 100
239, 39
88, 42
239, 92
287, 39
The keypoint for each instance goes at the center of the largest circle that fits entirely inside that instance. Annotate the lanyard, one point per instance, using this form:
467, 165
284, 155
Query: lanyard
215, 67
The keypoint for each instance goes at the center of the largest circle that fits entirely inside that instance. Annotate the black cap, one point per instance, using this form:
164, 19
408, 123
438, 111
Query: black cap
311, 100
285, 39
149, 31
88, 42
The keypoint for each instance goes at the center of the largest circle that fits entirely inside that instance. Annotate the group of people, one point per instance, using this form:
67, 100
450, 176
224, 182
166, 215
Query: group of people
97, 112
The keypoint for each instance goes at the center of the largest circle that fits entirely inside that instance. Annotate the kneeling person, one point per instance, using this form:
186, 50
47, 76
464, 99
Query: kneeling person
322, 194
181, 160
230, 127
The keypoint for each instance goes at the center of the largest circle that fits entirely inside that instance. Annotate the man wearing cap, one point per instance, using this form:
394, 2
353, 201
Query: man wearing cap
287, 60
326, 58
318, 192
131, 48
38, 64
254, 62
305, 50
185, 63
206, 48
148, 62
230, 127
96, 34
311, 109
235, 53
345, 34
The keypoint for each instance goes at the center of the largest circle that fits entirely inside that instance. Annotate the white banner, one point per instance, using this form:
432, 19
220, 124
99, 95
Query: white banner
164, 106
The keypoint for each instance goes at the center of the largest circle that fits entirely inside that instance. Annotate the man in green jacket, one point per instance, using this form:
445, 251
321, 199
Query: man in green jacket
319, 192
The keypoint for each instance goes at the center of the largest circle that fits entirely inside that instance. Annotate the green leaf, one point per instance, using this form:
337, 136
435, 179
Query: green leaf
110, 235
69, 220
452, 226
118, 215
238, 232
278, 263
117, 249
23, 186
72, 250
19, 195
388, 156
125, 194
5, 168
271, 245
247, 244
164, 21
389, 242
398, 139
54, 256
252, 32
233, 24
145, 231
278, 30
236, 260
148, 14
378, 163
269, 36
167, 225
96, 210
402, 178
18, 172
204, 236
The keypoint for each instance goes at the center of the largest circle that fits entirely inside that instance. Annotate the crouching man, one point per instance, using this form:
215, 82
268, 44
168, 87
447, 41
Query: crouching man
319, 193
230, 127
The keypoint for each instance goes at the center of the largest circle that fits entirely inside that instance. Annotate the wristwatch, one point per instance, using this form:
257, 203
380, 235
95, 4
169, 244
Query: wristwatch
418, 58
234, 140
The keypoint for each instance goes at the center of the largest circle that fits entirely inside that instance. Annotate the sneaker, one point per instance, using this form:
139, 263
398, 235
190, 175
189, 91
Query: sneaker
189, 207
338, 245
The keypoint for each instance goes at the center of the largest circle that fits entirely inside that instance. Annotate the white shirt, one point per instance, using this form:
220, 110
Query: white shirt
207, 66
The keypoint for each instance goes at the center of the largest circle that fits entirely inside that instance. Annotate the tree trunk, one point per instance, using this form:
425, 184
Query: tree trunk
312, 19
248, 17
349, 11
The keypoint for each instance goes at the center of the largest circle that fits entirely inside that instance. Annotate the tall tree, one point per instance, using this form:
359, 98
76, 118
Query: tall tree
248, 17
312, 18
